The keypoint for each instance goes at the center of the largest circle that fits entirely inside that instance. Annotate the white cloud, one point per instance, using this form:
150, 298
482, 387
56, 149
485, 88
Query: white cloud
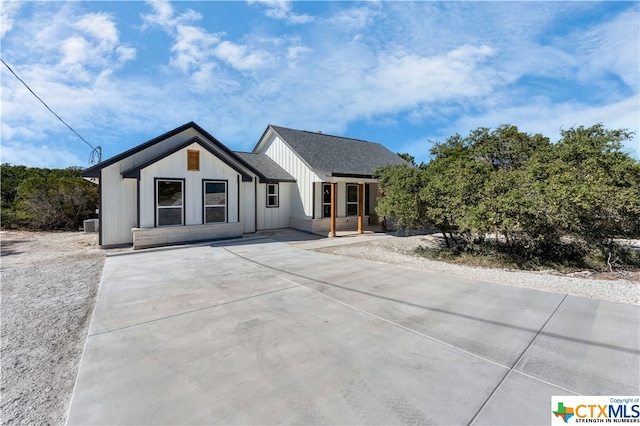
355, 18
404, 81
193, 47
125, 53
8, 11
282, 10
17, 153
100, 26
610, 49
75, 51
163, 15
70, 44
239, 56
295, 52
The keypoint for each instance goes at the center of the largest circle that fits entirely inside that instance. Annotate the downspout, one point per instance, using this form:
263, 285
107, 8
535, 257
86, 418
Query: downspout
238, 212
313, 204
255, 204
138, 202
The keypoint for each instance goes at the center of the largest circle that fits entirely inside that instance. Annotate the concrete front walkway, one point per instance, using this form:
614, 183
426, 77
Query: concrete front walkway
261, 332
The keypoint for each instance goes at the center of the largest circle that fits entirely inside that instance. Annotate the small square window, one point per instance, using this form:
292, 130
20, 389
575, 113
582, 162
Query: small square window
272, 195
193, 160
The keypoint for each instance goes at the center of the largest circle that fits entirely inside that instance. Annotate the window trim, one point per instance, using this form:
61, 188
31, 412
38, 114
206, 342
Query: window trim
205, 205
277, 195
352, 202
157, 207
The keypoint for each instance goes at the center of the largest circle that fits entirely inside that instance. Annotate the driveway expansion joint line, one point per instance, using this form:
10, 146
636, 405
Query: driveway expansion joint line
204, 308
267, 267
511, 369
411, 330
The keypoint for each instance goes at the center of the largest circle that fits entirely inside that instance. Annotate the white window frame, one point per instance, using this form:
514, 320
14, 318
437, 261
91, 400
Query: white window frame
275, 194
204, 200
159, 207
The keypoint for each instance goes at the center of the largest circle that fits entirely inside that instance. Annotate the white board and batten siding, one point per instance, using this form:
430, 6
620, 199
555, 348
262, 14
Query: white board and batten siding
275, 217
118, 204
174, 166
304, 176
247, 203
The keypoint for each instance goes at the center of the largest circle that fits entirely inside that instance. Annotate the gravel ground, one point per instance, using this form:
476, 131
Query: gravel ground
49, 285
398, 250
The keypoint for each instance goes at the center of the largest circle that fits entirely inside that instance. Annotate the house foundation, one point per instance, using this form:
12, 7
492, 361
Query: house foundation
154, 237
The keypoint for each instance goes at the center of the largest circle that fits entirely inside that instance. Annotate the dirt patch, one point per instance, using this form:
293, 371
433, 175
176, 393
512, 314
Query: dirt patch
49, 286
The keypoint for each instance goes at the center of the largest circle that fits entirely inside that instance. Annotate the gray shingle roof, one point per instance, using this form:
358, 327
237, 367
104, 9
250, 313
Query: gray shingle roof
265, 165
338, 155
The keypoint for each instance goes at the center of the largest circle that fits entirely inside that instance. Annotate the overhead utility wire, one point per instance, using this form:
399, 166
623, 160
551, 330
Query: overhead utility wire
95, 150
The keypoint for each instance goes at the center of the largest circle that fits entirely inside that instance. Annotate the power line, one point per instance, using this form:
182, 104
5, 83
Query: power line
94, 151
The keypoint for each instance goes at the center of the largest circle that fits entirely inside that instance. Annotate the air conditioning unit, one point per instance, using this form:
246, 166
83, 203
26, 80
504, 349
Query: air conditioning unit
91, 225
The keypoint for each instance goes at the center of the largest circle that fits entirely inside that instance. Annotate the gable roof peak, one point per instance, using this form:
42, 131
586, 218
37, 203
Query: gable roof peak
94, 171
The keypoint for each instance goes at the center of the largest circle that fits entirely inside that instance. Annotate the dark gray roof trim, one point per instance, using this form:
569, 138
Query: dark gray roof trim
94, 171
265, 165
351, 175
134, 172
338, 155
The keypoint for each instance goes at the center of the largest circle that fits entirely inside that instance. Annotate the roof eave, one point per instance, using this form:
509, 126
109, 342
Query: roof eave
352, 175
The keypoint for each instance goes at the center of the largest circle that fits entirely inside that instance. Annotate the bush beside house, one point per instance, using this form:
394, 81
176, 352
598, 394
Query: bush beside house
523, 197
46, 199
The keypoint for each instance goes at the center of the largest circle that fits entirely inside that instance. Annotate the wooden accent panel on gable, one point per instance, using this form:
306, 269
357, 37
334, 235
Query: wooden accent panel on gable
193, 160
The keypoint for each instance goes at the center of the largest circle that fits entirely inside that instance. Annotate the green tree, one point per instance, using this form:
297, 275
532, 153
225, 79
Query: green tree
400, 186
408, 158
57, 202
36, 198
527, 192
596, 185
451, 185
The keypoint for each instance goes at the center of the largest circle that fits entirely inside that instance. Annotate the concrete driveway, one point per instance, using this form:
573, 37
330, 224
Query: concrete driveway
261, 332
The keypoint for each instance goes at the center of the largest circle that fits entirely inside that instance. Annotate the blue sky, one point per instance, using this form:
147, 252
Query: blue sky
398, 73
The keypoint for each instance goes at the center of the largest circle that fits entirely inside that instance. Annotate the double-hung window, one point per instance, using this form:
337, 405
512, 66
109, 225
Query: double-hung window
169, 202
352, 200
272, 195
215, 201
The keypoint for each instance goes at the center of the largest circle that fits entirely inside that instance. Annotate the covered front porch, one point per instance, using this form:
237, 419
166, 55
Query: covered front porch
343, 205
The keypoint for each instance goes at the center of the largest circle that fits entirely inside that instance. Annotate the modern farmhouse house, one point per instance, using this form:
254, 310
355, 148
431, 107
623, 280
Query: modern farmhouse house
185, 185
